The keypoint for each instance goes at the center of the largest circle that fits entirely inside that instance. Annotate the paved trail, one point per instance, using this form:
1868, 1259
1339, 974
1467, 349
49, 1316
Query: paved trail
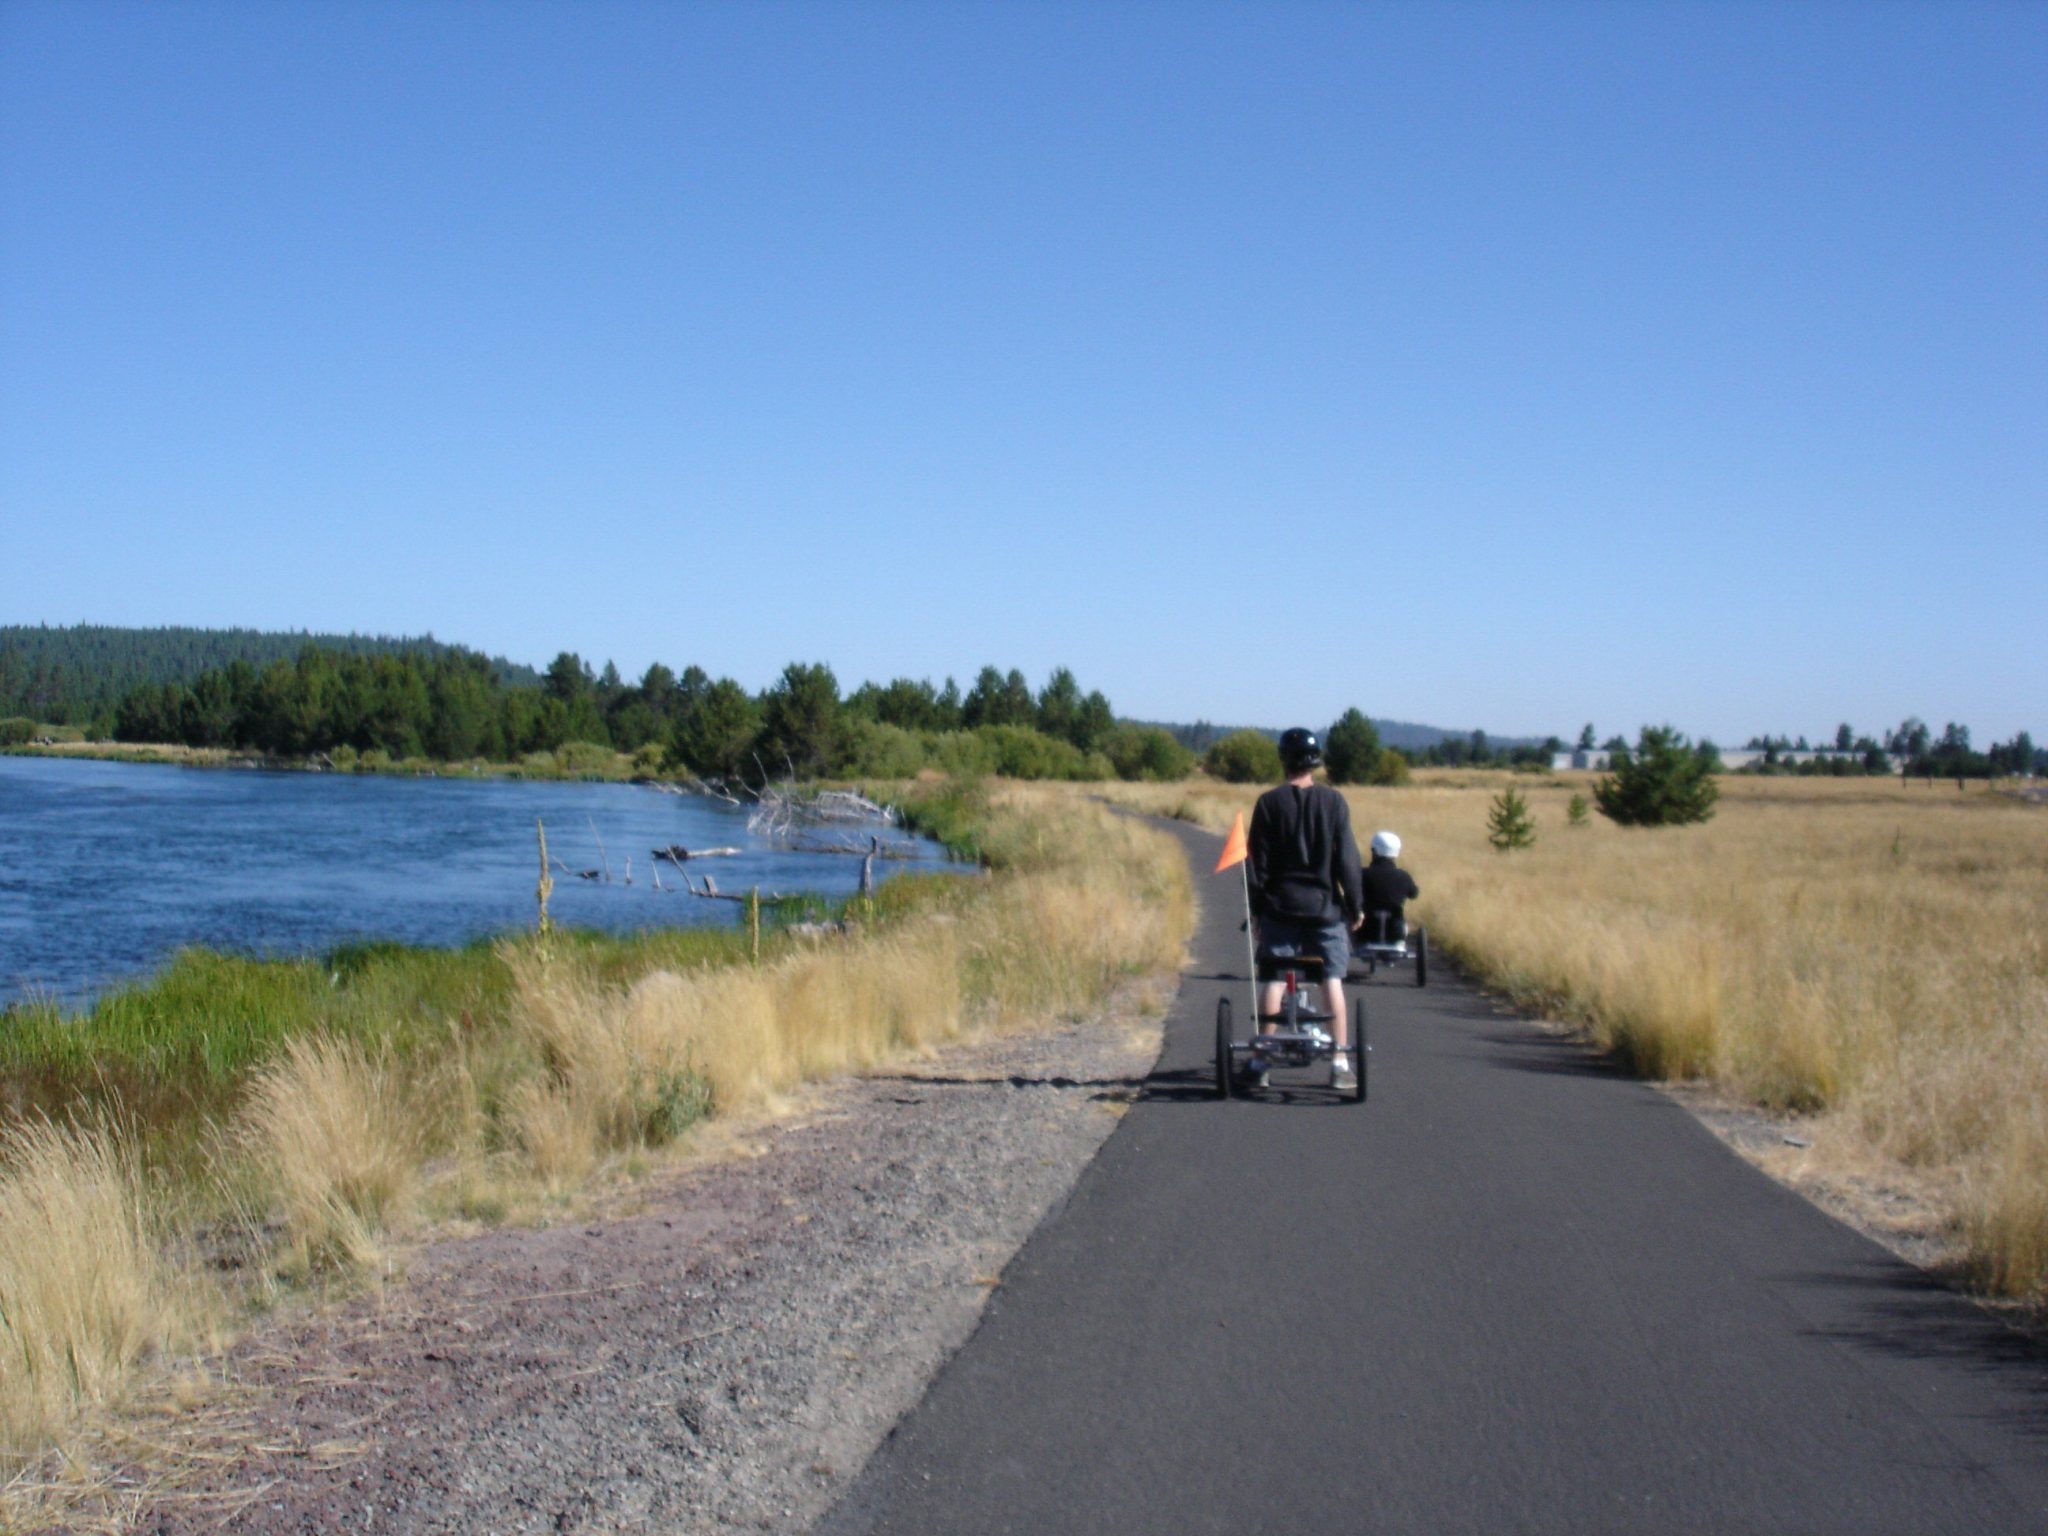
1515, 1292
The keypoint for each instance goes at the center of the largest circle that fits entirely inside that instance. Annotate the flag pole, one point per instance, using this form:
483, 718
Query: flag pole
1251, 948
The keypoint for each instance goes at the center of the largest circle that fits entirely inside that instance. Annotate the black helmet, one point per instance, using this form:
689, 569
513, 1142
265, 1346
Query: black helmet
1299, 749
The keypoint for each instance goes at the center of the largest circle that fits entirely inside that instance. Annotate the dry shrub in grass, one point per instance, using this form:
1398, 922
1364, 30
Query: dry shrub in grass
332, 1132
84, 1291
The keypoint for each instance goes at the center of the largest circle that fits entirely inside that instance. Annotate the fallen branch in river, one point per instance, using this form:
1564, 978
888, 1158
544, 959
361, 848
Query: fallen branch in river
675, 853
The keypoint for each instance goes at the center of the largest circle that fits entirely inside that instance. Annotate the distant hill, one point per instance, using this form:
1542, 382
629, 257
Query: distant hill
77, 673
1403, 735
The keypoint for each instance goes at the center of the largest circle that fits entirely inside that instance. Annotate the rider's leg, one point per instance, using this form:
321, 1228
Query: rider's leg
1271, 995
1340, 1019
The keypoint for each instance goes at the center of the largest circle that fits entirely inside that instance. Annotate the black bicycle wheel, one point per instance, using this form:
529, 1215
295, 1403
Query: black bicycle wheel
1359, 1047
1223, 1048
1422, 957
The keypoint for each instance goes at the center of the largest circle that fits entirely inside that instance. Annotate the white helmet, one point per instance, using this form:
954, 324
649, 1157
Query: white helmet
1386, 845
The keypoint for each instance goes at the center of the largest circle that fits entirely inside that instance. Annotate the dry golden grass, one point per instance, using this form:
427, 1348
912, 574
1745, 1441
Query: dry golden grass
84, 1289
1872, 948
334, 1134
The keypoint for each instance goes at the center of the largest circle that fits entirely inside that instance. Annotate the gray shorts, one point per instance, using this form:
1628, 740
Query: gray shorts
1283, 938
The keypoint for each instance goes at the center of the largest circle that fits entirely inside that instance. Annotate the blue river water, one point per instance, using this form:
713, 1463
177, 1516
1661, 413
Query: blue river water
106, 869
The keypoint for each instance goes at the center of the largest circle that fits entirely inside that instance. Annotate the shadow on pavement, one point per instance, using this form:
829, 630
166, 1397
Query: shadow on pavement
1914, 1315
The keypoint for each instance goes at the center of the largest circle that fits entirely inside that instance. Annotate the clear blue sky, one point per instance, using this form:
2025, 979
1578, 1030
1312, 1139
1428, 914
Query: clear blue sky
1508, 365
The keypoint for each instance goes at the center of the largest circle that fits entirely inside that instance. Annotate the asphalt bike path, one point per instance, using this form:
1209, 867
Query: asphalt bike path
1515, 1291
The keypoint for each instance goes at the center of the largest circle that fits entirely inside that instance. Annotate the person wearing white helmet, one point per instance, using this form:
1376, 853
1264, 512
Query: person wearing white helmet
1388, 890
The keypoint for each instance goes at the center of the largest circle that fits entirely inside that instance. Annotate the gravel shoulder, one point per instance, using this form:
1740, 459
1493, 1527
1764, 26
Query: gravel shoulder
721, 1354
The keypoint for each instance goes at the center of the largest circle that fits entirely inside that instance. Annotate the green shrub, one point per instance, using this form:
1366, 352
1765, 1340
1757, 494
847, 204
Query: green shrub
585, 759
1022, 752
1389, 768
880, 751
1243, 757
1663, 783
960, 754
16, 731
1147, 752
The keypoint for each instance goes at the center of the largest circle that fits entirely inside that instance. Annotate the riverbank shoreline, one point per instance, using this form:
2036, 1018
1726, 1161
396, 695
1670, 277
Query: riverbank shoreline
586, 764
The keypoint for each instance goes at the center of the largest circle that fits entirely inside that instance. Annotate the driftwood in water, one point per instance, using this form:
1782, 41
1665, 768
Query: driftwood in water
710, 892
675, 853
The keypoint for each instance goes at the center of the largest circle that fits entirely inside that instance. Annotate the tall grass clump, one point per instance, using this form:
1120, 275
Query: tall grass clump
84, 1289
330, 1129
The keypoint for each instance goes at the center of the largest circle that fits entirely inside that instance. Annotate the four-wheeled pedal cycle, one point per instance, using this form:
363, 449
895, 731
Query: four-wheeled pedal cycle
1295, 1038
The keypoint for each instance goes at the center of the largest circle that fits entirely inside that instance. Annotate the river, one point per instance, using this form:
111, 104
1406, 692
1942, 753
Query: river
107, 868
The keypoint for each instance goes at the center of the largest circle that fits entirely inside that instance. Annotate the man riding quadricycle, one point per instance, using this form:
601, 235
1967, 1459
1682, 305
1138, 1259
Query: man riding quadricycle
1305, 893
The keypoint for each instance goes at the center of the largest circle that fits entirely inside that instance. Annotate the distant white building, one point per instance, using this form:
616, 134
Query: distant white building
1587, 760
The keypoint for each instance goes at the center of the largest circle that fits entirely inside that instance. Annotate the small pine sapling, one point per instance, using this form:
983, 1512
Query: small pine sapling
1576, 810
1508, 824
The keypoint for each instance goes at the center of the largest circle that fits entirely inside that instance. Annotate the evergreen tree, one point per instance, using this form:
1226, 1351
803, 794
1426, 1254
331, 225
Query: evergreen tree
1508, 823
1092, 727
800, 725
1351, 750
715, 736
1059, 706
567, 678
1664, 782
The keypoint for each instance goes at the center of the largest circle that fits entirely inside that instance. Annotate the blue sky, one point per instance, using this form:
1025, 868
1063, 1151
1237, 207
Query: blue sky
1510, 365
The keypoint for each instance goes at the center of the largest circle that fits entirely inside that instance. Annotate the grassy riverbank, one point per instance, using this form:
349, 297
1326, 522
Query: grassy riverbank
1869, 953
273, 1121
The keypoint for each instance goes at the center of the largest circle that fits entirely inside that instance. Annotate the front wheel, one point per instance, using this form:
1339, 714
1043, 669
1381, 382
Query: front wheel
1222, 1047
1422, 957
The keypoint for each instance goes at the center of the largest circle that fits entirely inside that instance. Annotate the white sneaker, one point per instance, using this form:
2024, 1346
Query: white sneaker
1341, 1073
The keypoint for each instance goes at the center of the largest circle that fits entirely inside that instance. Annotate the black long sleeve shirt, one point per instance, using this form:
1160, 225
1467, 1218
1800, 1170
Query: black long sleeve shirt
1303, 862
1388, 886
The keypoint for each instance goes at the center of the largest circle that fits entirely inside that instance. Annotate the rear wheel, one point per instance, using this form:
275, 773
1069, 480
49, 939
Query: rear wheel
1222, 1047
1359, 1046
1422, 957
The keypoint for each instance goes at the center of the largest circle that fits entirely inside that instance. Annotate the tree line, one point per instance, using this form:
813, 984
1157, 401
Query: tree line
79, 674
453, 705
1352, 754
1913, 746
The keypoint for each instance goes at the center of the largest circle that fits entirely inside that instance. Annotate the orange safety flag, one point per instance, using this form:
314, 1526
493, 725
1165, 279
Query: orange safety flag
1236, 848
